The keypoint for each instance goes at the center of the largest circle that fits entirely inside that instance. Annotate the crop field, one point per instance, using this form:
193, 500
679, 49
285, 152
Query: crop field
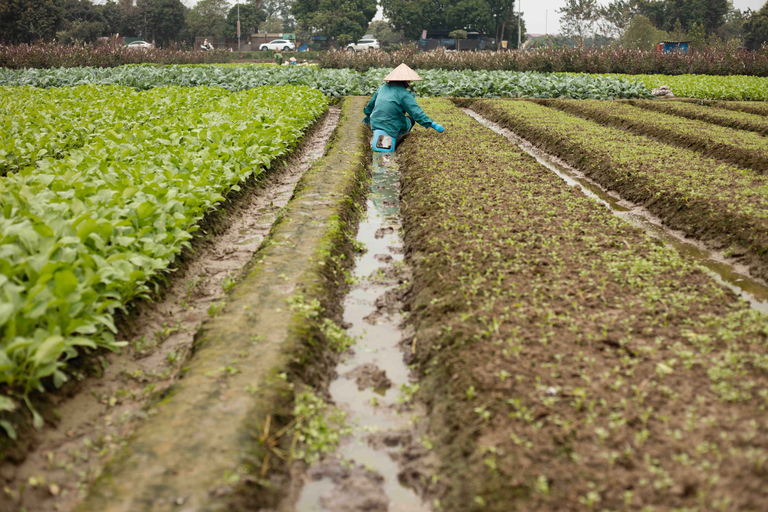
706, 87
571, 362
336, 82
91, 219
704, 197
718, 116
736, 146
558, 357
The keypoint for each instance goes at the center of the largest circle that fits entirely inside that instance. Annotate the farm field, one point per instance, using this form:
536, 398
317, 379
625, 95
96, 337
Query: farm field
706, 87
335, 82
718, 116
570, 362
736, 146
707, 199
87, 229
558, 357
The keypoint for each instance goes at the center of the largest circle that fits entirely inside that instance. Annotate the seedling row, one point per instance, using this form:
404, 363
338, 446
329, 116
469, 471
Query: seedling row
570, 361
704, 197
742, 148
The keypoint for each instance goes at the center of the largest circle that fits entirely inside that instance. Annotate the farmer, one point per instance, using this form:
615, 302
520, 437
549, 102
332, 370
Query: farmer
293, 61
393, 108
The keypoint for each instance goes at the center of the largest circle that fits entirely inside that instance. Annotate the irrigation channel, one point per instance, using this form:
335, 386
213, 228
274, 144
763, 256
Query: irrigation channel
373, 383
106, 411
733, 275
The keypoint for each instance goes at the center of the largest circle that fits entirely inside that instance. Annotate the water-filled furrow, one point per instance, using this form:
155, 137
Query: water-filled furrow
373, 383
731, 274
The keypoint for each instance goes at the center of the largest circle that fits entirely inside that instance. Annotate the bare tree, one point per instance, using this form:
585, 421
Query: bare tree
579, 18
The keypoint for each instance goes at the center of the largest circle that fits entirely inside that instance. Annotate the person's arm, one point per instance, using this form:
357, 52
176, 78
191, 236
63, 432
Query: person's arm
369, 107
413, 108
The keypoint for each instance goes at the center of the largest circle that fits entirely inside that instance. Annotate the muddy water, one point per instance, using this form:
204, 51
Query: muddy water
100, 417
373, 378
726, 271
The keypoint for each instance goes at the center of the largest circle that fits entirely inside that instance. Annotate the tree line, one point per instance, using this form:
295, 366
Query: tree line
643, 23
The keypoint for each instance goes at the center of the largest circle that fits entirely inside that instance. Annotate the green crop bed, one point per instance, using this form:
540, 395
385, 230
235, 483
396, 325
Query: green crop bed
707, 199
719, 116
48, 123
83, 234
570, 362
736, 146
336, 82
752, 107
707, 87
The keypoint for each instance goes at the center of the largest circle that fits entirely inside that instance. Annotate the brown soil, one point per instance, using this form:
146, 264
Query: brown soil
569, 362
98, 419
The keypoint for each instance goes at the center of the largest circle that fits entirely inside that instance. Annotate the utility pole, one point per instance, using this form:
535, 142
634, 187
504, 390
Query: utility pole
519, 6
238, 27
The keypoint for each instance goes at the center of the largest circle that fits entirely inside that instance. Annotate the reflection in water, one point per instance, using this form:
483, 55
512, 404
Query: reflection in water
375, 323
734, 276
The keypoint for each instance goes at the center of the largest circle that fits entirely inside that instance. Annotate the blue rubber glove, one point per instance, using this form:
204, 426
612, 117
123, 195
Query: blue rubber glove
437, 127
367, 121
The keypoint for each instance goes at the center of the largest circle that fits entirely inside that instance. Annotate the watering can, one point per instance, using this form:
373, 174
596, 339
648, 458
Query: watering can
383, 142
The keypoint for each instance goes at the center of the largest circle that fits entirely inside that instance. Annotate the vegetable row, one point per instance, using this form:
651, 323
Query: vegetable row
704, 197
336, 82
554, 337
84, 234
736, 146
719, 116
707, 87
36, 123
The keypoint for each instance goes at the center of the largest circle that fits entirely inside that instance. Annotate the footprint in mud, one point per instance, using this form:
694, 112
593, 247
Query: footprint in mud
369, 375
383, 258
382, 232
355, 489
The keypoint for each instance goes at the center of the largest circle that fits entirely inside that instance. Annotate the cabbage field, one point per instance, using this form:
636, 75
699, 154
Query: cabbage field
335, 82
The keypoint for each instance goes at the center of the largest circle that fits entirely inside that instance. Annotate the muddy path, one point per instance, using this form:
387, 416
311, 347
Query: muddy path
726, 270
381, 464
100, 417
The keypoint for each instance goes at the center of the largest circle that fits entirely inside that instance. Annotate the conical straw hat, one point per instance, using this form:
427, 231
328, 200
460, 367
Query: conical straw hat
402, 73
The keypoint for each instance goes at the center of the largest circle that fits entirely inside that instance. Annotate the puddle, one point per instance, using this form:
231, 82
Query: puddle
97, 420
733, 275
363, 473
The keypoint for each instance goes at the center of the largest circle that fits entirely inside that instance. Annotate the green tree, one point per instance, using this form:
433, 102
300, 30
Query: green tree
23, 21
472, 15
413, 16
334, 17
697, 35
383, 32
250, 19
83, 21
163, 21
756, 29
208, 18
642, 34
121, 18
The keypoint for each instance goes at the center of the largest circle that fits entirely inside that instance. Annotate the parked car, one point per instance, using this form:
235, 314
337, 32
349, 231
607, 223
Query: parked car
278, 44
363, 45
140, 45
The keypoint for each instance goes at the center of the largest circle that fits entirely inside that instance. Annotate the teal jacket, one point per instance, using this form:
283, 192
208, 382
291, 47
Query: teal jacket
388, 107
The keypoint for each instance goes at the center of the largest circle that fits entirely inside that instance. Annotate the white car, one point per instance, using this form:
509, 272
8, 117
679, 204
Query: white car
363, 45
140, 45
278, 44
